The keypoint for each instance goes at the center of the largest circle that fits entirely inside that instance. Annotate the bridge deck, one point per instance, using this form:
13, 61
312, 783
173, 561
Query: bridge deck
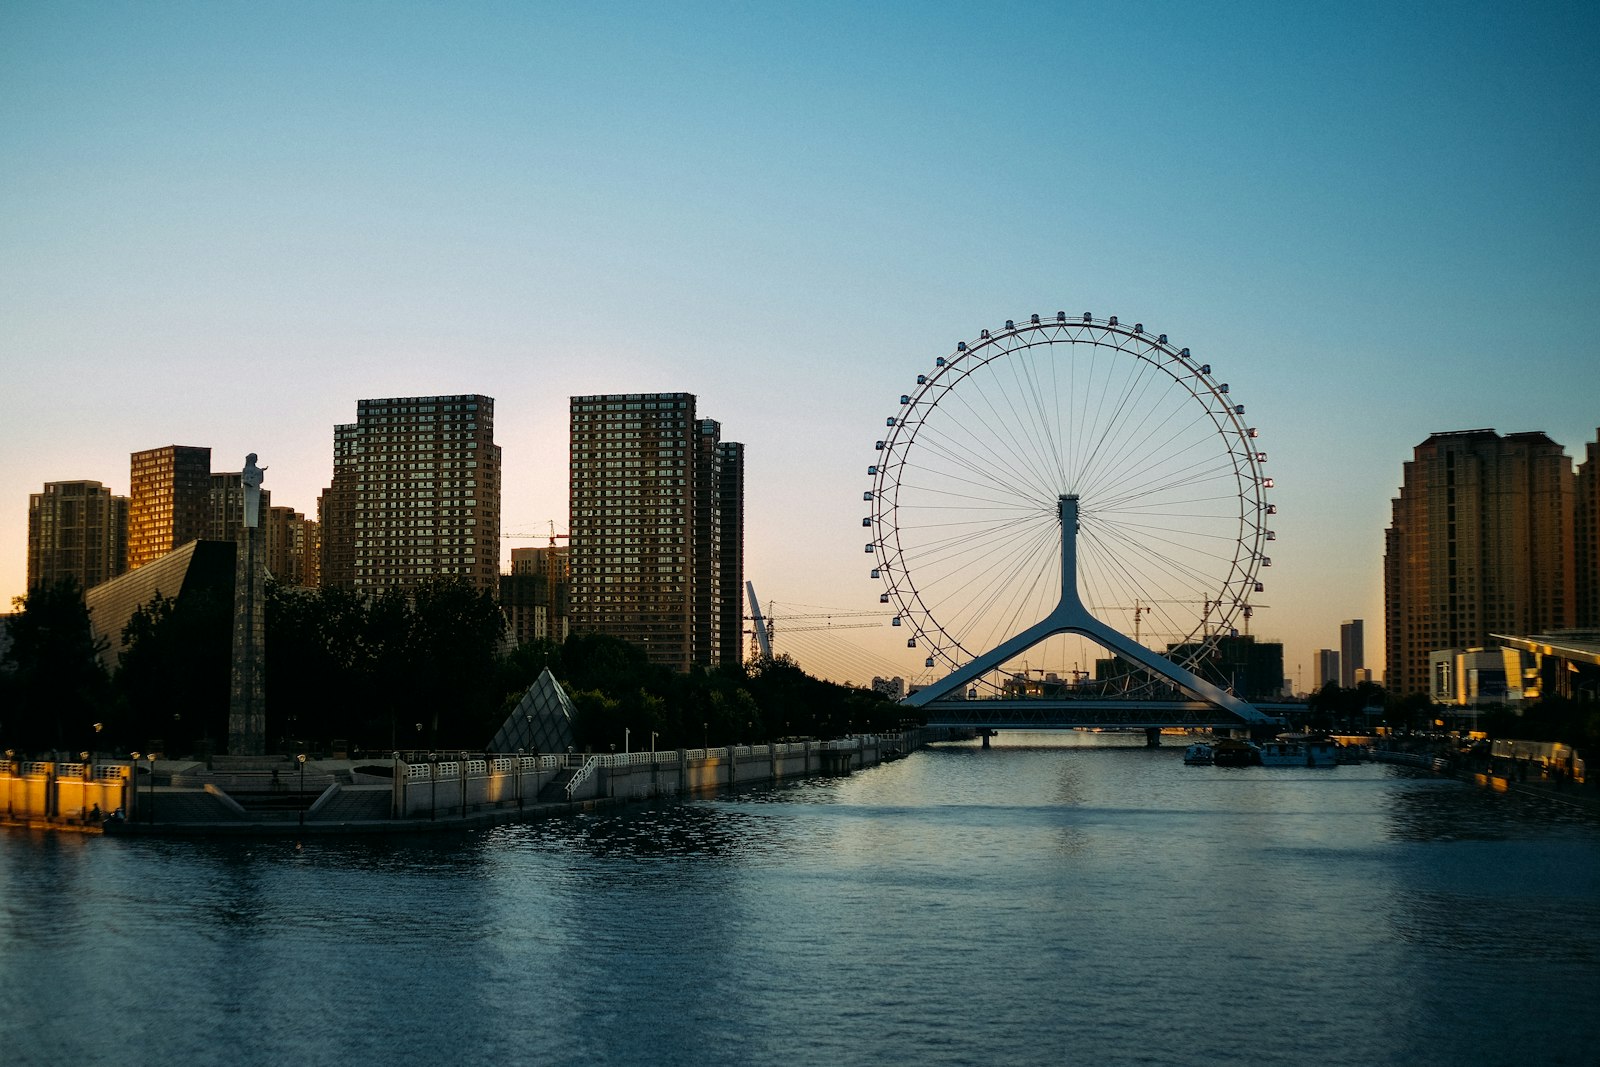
1074, 714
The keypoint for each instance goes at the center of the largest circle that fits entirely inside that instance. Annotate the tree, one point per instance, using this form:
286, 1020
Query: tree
175, 671
57, 686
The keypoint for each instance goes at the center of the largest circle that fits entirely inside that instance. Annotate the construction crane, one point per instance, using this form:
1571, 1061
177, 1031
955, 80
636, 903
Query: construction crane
531, 536
765, 625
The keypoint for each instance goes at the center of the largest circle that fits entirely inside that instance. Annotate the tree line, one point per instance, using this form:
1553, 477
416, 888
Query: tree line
425, 669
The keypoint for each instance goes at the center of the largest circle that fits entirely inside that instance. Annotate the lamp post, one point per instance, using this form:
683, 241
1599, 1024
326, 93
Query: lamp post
627, 735
151, 756
88, 776
433, 785
653, 736
301, 759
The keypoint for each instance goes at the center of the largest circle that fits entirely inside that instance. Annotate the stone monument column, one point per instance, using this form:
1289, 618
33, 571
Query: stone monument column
247, 709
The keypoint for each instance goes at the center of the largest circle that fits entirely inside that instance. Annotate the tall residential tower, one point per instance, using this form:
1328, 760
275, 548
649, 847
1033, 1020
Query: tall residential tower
657, 527
415, 495
169, 500
77, 530
1481, 542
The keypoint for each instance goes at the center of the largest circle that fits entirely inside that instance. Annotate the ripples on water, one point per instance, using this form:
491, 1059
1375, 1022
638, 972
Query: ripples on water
1086, 904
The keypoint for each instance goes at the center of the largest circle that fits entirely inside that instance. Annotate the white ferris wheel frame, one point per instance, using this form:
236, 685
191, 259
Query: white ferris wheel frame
1232, 587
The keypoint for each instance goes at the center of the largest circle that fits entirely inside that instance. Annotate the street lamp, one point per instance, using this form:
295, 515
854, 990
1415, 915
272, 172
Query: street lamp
301, 759
151, 756
433, 783
627, 735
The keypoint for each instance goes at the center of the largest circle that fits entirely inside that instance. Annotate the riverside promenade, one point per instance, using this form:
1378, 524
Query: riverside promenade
415, 792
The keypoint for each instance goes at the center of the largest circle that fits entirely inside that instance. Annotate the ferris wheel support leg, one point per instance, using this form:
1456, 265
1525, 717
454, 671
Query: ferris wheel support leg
1072, 617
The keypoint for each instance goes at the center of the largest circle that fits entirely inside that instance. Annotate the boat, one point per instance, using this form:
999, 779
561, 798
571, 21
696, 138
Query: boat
1198, 755
1232, 752
1300, 750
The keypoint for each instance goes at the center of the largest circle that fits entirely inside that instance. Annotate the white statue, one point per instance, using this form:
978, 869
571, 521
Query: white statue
251, 478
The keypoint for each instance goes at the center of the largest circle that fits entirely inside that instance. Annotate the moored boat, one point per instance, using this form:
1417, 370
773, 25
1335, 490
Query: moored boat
1232, 752
1300, 750
1198, 755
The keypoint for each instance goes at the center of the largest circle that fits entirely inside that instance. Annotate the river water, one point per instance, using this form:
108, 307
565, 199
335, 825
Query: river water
1085, 901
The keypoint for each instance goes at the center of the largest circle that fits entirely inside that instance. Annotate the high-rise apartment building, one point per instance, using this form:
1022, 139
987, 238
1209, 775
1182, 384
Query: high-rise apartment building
730, 457
415, 495
77, 530
169, 500
290, 544
1480, 542
1586, 539
657, 527
1352, 651
534, 595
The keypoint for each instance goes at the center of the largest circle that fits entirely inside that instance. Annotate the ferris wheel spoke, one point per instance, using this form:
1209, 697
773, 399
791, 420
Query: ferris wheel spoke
995, 432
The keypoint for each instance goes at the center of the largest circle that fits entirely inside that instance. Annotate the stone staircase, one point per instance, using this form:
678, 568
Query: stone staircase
555, 790
358, 803
186, 807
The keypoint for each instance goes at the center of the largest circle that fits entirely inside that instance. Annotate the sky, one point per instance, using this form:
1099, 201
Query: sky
222, 224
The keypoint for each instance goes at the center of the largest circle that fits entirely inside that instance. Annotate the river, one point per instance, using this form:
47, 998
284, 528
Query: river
1080, 900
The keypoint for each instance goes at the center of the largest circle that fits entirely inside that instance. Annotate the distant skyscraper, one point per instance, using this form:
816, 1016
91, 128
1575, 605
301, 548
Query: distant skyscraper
336, 513
1327, 667
730, 454
1352, 651
657, 527
415, 495
78, 530
169, 500
1586, 548
1480, 542
290, 544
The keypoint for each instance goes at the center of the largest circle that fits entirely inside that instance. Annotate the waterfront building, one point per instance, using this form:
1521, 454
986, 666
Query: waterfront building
1327, 667
1480, 540
76, 530
1586, 538
657, 527
169, 500
197, 568
415, 495
1352, 651
1476, 677
534, 595
1564, 664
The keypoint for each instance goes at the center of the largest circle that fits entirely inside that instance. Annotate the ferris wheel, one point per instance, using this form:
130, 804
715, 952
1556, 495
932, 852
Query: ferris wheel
1164, 475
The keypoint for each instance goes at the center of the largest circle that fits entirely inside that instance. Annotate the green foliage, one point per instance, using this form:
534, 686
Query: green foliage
174, 672
54, 686
395, 670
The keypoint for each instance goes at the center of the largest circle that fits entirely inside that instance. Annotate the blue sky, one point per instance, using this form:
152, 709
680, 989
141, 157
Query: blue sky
222, 224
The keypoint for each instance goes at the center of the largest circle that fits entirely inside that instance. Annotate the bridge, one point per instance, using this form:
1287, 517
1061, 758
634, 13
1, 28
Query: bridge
1096, 713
